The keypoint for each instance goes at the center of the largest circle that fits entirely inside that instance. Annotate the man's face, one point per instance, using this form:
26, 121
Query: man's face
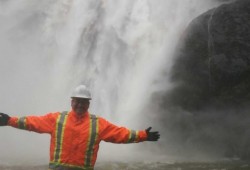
80, 105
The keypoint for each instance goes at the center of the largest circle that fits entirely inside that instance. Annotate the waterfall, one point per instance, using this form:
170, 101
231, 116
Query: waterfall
120, 49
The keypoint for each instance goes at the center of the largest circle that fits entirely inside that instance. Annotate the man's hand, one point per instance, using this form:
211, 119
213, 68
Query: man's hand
152, 136
4, 118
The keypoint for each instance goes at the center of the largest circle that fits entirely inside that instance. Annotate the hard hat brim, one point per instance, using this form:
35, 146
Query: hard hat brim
80, 97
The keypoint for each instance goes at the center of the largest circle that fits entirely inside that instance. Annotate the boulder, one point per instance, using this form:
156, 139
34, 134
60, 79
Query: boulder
212, 61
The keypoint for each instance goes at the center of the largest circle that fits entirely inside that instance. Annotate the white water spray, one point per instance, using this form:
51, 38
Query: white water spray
118, 48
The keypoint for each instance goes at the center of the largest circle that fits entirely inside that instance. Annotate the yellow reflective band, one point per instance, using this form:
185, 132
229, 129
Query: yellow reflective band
53, 165
132, 136
60, 124
93, 131
22, 123
137, 135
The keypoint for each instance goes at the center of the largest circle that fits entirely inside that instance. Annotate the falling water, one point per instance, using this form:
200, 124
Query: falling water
118, 48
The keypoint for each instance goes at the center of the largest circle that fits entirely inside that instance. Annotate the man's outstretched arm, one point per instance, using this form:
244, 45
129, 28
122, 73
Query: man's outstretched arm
40, 124
115, 134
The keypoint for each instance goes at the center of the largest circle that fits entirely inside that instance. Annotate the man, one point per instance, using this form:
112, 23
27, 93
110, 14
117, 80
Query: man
75, 135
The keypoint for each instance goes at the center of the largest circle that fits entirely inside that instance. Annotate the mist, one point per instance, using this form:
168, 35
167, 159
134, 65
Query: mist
120, 49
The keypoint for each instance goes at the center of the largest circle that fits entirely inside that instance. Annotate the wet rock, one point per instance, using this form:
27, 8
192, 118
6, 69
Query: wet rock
212, 63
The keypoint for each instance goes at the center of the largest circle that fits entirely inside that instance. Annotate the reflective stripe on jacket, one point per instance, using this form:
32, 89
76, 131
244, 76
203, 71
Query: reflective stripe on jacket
75, 140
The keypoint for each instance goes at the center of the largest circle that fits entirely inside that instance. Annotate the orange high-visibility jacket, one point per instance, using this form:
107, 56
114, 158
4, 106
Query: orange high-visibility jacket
75, 140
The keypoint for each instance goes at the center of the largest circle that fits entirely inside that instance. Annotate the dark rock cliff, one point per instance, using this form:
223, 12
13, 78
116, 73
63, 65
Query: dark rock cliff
212, 63
207, 110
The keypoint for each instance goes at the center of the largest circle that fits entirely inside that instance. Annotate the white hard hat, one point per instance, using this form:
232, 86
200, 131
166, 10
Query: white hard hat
81, 92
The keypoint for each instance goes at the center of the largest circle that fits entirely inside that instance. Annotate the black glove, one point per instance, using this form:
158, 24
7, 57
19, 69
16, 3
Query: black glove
152, 136
4, 118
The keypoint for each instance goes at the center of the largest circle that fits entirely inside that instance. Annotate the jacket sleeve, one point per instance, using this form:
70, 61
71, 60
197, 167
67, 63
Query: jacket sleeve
112, 133
40, 124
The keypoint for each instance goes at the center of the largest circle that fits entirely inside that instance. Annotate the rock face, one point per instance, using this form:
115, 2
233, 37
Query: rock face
208, 107
212, 66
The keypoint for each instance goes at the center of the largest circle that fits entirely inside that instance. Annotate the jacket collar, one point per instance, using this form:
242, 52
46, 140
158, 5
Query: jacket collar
74, 115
